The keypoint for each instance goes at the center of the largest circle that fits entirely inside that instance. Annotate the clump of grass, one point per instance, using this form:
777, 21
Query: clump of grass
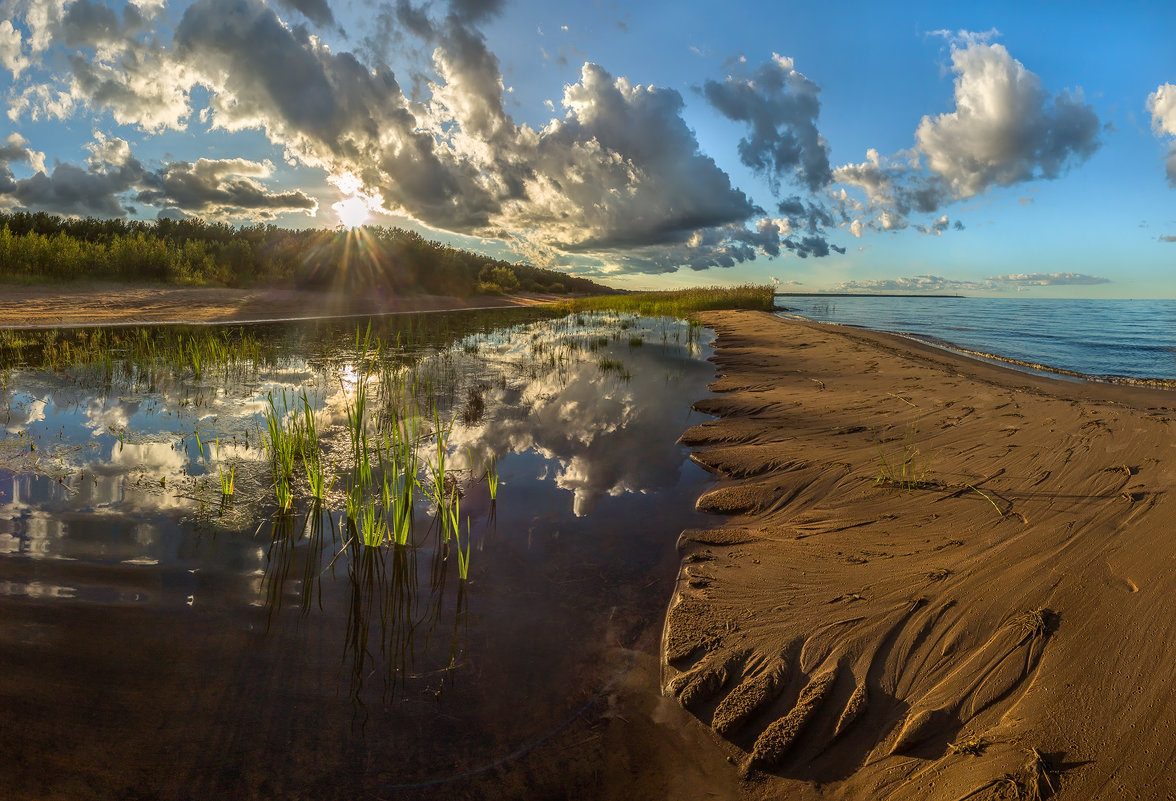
901, 469
973, 746
607, 364
1033, 625
636, 342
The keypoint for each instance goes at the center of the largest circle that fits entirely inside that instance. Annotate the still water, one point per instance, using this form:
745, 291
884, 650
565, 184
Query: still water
1133, 339
158, 640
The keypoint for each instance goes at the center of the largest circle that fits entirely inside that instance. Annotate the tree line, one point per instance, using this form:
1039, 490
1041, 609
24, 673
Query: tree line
39, 246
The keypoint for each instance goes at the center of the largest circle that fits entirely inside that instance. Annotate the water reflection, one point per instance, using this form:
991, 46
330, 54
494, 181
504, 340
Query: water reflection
110, 499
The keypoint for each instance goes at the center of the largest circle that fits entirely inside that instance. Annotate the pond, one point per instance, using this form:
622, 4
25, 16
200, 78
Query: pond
163, 637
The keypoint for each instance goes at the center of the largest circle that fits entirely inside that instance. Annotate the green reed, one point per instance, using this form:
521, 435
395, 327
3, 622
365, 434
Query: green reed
282, 442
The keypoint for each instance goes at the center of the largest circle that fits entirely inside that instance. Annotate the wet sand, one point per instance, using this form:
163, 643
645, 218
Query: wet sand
117, 304
937, 578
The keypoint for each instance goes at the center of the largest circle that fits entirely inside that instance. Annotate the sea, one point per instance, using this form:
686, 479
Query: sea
1119, 341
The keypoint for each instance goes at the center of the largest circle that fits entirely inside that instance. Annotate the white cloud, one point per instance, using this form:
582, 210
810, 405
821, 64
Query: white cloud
939, 284
12, 57
1049, 279
1005, 129
1162, 105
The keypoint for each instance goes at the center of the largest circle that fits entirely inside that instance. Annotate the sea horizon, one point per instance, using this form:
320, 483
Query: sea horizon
1110, 340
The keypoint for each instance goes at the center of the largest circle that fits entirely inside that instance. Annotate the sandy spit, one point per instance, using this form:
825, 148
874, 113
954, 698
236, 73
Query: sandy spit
118, 304
934, 578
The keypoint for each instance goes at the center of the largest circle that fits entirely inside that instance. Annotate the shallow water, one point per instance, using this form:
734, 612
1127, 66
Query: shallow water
156, 643
1131, 339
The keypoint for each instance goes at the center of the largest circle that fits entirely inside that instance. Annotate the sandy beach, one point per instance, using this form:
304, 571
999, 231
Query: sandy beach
936, 578
116, 304
930, 577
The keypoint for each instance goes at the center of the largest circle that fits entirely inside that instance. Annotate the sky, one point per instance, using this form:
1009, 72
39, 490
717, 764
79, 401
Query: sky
1008, 149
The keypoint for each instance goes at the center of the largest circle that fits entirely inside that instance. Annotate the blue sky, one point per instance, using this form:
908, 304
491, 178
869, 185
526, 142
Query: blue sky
996, 148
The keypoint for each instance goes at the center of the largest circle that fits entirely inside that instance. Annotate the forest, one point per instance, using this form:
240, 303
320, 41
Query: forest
37, 247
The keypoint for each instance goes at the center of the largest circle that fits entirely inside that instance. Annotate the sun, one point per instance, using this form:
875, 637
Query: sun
356, 207
353, 211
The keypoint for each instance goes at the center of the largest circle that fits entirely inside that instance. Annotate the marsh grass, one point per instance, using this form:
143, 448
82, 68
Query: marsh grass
492, 477
463, 553
680, 303
281, 441
228, 479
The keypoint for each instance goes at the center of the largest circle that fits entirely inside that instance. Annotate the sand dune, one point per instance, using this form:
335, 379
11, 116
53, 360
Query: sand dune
938, 579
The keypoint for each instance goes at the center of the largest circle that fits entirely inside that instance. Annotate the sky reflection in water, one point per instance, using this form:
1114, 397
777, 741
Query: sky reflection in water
105, 501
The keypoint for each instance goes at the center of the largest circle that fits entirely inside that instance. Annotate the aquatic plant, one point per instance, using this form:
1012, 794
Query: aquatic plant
492, 477
463, 553
282, 444
317, 478
227, 479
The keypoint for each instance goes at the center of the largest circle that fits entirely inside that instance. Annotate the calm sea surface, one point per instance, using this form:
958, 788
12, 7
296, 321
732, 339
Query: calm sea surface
1132, 339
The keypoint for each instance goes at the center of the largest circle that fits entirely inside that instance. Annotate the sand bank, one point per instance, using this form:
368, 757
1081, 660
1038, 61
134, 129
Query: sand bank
116, 304
937, 578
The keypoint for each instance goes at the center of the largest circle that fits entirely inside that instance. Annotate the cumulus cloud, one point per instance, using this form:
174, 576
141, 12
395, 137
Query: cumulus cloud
1162, 105
912, 284
1049, 279
221, 187
618, 178
15, 149
112, 175
939, 226
314, 10
622, 169
1005, 129
12, 57
940, 284
780, 106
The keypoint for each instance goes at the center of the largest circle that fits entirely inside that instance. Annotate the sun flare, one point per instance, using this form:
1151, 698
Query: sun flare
353, 211
356, 208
